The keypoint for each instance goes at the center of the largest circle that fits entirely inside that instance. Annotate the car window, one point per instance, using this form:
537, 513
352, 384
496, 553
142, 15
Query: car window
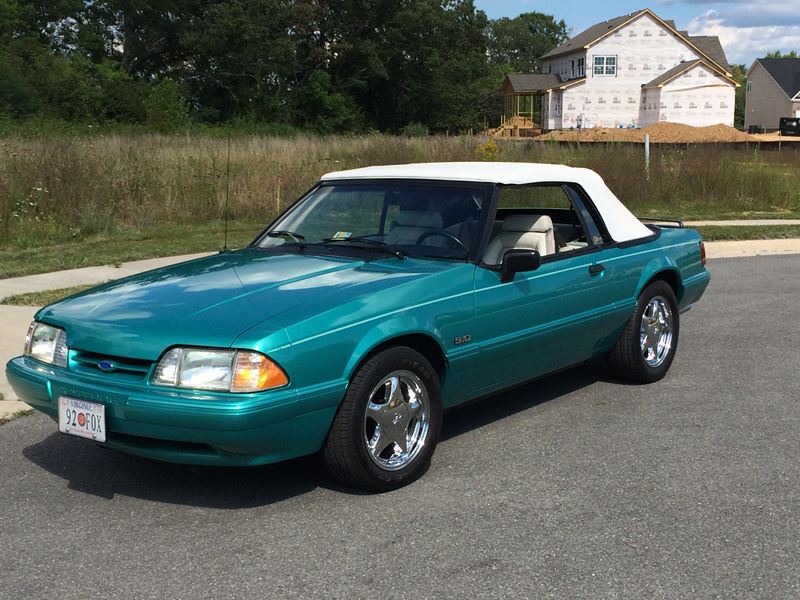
567, 224
422, 220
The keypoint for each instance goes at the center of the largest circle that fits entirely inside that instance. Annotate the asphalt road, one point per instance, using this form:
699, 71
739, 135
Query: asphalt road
575, 486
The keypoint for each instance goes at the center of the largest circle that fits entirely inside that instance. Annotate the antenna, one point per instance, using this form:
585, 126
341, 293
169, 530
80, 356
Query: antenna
227, 181
231, 97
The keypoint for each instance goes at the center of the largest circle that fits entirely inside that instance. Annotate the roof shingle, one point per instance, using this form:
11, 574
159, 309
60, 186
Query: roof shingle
711, 46
590, 35
527, 83
785, 71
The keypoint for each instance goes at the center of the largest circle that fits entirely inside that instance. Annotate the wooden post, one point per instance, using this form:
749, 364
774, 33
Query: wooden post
647, 155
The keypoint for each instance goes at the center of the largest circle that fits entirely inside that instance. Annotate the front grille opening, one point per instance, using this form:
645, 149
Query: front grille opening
109, 365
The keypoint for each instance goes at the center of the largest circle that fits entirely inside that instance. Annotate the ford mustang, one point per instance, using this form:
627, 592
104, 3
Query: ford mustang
382, 297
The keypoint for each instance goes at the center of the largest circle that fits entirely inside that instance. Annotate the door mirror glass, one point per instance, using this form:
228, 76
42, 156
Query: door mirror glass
518, 261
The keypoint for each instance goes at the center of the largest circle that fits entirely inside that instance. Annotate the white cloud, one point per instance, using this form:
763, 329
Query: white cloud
751, 29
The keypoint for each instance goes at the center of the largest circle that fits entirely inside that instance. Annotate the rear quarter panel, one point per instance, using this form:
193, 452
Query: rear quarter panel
675, 251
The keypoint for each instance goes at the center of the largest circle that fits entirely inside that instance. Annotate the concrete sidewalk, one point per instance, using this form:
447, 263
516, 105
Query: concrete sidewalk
741, 249
86, 275
14, 322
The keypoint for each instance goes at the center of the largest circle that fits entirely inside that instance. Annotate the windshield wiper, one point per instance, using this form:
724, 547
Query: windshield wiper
288, 235
367, 243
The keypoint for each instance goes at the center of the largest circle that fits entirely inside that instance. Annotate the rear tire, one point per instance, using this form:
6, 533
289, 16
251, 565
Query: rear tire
646, 348
388, 425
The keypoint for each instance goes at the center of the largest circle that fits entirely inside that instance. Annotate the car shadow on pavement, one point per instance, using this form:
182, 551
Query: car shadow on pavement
92, 469
484, 411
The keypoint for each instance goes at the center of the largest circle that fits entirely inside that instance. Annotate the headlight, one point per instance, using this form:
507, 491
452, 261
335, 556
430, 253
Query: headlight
47, 344
218, 370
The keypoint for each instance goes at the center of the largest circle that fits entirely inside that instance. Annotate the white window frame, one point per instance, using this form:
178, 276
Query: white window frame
607, 67
581, 67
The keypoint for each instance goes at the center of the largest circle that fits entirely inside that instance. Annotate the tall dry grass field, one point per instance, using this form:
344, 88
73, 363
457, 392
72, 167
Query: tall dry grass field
58, 188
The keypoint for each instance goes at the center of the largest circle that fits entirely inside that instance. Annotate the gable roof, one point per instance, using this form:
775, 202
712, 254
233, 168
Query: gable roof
682, 68
528, 83
785, 72
710, 45
591, 35
707, 46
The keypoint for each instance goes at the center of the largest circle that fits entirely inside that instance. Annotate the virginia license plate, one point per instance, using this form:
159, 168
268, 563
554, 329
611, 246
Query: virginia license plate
81, 418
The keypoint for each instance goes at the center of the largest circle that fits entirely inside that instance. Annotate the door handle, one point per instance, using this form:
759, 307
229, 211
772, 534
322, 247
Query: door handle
596, 269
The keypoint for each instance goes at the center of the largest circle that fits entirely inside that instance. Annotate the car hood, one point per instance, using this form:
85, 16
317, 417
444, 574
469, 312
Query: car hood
211, 301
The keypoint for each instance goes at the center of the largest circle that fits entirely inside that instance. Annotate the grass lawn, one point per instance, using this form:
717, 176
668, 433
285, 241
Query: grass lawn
45, 297
116, 247
716, 233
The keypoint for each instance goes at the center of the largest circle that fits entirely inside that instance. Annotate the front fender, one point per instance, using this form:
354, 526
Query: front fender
386, 331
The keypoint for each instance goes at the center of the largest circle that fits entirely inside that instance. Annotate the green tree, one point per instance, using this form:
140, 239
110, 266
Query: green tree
434, 54
779, 54
241, 60
740, 75
519, 42
166, 106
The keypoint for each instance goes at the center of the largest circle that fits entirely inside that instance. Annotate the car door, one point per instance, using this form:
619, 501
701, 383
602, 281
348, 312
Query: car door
558, 315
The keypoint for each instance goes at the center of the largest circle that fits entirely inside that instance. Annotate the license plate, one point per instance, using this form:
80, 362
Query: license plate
81, 418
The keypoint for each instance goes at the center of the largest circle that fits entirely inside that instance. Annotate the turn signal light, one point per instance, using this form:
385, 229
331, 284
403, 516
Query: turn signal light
253, 372
702, 254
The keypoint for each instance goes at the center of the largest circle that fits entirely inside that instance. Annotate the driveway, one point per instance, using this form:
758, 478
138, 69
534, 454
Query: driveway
575, 486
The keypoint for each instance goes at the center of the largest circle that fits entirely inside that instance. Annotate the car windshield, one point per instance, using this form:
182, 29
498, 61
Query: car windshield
406, 219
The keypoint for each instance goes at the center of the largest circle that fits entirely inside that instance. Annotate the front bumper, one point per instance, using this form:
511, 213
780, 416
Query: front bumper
186, 426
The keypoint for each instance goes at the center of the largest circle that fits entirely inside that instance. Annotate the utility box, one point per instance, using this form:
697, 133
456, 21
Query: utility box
790, 126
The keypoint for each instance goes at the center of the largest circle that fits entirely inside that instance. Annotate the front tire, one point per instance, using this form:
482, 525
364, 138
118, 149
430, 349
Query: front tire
646, 348
388, 425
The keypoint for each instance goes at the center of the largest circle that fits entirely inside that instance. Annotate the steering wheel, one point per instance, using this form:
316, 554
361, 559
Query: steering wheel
449, 236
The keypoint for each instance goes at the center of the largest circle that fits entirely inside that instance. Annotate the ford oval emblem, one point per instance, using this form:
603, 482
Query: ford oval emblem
106, 365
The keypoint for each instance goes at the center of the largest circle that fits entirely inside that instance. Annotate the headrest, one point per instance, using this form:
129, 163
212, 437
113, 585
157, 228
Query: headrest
419, 218
520, 223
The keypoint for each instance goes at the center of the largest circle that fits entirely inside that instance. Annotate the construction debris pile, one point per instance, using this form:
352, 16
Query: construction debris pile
660, 133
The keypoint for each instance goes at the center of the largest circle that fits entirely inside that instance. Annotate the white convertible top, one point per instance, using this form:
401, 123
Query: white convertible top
620, 222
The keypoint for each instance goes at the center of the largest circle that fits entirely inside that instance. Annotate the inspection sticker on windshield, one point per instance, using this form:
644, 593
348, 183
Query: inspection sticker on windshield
342, 235
81, 418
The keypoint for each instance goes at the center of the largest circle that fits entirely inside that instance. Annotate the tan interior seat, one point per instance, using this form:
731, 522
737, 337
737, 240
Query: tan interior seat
530, 232
411, 224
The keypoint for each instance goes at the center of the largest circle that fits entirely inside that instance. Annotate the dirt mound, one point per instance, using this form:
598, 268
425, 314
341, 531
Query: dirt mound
660, 133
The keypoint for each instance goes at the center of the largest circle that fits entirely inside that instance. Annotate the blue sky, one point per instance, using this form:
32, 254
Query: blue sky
748, 29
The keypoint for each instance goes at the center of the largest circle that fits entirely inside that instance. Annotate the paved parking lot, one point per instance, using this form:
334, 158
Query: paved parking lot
574, 486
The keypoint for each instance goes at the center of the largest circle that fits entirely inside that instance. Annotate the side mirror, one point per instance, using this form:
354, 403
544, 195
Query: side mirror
518, 261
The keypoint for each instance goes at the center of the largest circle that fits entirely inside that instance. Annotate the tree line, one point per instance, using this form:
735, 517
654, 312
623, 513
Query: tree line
322, 65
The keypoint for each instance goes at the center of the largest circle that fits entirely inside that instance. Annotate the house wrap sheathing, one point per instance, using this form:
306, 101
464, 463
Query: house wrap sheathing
637, 70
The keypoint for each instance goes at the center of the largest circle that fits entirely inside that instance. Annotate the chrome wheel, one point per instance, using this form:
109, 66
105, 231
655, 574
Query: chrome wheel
397, 420
655, 332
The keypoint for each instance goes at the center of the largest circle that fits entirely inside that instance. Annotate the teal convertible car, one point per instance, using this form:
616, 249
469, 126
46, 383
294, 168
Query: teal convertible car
382, 297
